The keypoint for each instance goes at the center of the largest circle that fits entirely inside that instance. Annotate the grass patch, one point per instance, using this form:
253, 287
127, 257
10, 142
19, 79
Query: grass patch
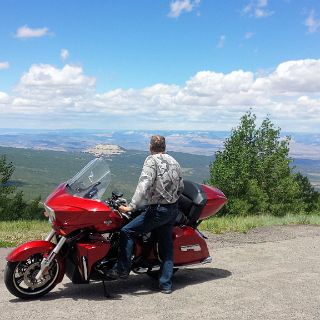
13, 233
244, 224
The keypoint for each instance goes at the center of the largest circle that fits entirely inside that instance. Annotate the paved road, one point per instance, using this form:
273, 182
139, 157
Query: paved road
269, 273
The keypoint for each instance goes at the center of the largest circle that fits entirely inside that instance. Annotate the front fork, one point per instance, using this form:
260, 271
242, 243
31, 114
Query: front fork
50, 235
46, 261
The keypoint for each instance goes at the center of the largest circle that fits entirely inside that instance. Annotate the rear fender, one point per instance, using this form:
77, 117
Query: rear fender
25, 250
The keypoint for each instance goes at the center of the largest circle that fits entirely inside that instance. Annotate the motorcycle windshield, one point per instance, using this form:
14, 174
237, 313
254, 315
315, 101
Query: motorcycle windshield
92, 181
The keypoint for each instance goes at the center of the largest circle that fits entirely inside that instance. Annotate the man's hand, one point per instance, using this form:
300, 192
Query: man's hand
125, 209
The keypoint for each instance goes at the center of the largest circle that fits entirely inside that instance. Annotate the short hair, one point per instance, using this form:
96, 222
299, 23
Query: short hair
158, 144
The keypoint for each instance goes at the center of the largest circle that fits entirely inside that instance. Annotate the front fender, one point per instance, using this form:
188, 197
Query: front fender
25, 250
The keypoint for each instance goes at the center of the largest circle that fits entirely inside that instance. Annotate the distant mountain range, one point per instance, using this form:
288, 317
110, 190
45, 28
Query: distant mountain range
303, 145
45, 158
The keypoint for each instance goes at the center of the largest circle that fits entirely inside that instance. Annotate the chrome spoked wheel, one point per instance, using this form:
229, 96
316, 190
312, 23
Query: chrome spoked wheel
20, 277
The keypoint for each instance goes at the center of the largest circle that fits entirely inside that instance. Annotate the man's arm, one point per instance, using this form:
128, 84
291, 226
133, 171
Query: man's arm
146, 180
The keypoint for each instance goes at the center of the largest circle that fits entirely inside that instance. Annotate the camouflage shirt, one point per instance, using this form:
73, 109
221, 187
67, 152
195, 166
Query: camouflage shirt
160, 181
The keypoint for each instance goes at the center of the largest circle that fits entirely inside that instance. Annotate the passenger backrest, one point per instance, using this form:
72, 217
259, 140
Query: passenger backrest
192, 201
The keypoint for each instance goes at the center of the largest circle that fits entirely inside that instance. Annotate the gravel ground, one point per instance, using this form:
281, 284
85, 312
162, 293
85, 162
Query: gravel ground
268, 273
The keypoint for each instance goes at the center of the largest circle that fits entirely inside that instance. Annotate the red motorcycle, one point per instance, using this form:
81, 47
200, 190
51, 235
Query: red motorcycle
84, 240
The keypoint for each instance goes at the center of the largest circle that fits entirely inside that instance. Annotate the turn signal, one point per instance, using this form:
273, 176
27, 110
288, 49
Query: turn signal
63, 233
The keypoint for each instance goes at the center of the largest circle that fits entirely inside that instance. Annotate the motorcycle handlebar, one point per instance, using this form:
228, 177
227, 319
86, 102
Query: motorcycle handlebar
116, 203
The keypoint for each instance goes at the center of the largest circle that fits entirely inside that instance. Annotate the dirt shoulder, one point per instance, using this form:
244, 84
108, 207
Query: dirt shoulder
260, 235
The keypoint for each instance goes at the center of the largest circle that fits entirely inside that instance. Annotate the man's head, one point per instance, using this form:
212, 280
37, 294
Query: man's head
157, 144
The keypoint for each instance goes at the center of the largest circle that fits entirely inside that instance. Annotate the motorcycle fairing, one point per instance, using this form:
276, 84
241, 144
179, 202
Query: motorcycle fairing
89, 252
74, 212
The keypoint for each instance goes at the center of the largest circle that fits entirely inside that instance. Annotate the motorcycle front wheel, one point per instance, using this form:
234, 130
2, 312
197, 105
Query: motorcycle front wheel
20, 277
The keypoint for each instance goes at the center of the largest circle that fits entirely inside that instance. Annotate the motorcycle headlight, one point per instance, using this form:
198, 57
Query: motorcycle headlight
50, 213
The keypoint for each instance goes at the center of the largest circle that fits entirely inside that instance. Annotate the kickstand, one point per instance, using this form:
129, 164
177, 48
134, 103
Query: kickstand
106, 293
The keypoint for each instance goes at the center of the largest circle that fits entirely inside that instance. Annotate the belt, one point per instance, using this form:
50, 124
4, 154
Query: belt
162, 204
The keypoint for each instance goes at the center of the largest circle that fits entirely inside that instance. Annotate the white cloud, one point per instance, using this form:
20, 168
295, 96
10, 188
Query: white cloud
312, 104
257, 9
177, 7
4, 65
222, 41
26, 32
312, 23
207, 100
64, 54
47, 89
5, 101
4, 97
292, 77
44, 75
248, 35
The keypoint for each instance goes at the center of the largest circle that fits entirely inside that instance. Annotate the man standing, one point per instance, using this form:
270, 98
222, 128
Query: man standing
160, 186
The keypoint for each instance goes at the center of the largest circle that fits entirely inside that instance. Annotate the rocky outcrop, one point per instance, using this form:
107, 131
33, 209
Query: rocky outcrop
105, 150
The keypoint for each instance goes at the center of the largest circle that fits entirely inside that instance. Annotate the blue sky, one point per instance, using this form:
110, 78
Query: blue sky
181, 64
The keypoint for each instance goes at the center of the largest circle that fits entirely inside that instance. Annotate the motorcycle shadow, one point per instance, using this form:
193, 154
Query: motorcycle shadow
136, 285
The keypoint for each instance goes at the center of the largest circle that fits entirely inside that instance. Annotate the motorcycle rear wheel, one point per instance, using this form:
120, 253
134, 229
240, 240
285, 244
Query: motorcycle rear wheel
19, 277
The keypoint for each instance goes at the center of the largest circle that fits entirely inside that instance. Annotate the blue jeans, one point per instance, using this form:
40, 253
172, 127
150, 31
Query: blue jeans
160, 218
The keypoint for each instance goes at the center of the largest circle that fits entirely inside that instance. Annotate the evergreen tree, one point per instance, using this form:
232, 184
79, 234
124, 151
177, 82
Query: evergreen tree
15, 207
254, 171
33, 211
6, 171
308, 193
12, 204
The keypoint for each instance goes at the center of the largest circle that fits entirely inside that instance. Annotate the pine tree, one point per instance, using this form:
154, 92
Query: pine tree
254, 171
6, 171
12, 204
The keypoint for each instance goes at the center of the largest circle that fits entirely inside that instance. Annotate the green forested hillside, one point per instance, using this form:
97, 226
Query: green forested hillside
38, 172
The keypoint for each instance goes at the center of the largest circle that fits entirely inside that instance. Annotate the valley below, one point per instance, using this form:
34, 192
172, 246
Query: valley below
43, 159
